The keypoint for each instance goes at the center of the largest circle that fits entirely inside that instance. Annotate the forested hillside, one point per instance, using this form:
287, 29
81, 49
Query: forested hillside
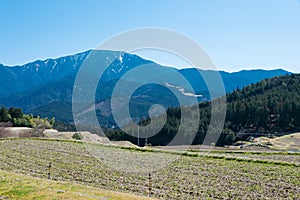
271, 106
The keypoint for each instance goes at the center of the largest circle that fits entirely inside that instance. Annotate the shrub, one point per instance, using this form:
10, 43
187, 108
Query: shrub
77, 136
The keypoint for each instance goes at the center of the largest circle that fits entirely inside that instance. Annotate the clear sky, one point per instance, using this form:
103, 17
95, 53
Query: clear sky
237, 34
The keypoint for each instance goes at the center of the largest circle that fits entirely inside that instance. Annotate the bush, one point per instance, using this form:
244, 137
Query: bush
230, 138
77, 136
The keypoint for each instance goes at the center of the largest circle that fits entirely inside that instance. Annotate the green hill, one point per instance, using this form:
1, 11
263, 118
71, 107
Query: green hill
268, 108
272, 105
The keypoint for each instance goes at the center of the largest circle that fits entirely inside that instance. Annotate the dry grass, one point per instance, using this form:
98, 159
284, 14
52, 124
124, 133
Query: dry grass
287, 142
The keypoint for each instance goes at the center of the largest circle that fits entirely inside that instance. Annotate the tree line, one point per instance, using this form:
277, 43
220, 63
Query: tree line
19, 119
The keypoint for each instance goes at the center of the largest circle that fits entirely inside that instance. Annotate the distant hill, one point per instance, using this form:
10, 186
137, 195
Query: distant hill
45, 87
268, 108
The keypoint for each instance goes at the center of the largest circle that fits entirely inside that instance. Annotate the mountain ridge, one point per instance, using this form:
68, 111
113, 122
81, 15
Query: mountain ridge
40, 83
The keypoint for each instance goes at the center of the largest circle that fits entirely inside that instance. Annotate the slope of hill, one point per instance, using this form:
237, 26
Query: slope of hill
289, 142
272, 105
233, 80
268, 108
45, 87
30, 75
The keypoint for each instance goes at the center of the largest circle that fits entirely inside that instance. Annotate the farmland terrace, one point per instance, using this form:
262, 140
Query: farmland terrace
192, 176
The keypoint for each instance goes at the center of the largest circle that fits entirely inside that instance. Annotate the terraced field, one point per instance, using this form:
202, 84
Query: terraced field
192, 176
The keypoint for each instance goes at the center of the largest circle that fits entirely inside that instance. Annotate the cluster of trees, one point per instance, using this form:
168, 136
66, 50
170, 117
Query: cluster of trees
9, 114
267, 107
19, 119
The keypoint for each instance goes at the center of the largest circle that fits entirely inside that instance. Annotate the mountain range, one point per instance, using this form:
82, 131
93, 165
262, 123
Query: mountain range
45, 87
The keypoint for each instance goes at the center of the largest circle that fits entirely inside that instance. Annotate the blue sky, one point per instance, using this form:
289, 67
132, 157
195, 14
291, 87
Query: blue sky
236, 34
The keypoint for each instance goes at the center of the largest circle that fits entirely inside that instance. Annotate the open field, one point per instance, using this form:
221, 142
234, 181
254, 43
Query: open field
17, 186
218, 176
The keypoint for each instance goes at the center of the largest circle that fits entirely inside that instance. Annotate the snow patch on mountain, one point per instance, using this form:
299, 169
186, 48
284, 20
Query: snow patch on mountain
55, 63
182, 90
121, 58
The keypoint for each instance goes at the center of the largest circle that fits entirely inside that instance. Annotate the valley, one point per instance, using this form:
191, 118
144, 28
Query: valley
145, 100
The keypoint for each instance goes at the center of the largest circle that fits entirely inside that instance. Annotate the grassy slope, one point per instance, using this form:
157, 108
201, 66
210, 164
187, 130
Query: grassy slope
17, 186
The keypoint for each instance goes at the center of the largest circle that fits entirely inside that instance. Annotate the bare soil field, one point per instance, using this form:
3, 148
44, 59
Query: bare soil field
24, 132
192, 176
